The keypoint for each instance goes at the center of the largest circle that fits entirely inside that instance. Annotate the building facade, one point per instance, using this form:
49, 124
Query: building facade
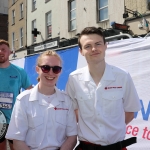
17, 28
53, 24
59, 22
4, 19
138, 16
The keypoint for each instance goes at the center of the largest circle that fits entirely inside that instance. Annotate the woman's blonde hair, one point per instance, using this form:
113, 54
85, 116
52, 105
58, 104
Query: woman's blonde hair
47, 53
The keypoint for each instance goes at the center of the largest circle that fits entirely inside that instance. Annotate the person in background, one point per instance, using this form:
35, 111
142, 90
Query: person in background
43, 117
12, 79
104, 97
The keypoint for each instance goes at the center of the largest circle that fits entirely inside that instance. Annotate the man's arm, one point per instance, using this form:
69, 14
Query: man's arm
129, 117
131, 100
20, 145
69, 144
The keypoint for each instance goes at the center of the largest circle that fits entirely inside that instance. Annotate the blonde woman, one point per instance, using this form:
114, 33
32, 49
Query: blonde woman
43, 117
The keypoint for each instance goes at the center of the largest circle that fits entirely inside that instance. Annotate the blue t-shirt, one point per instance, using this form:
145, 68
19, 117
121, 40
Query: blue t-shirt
12, 79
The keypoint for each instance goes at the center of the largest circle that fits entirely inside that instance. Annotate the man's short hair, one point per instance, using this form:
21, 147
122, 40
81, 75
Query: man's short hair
4, 42
91, 30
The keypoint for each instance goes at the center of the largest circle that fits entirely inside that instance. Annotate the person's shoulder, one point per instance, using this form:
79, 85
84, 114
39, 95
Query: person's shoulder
61, 92
24, 94
78, 71
118, 69
64, 95
17, 67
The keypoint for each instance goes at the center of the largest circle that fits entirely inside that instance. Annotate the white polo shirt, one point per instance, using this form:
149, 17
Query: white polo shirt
101, 109
42, 125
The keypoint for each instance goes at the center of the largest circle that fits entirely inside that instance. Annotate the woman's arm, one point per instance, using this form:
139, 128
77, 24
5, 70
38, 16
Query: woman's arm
70, 143
20, 145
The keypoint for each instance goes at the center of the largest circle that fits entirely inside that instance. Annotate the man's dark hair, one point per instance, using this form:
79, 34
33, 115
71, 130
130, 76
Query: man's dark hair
91, 30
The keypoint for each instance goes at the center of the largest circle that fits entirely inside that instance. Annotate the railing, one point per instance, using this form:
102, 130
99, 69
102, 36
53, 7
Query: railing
148, 34
110, 38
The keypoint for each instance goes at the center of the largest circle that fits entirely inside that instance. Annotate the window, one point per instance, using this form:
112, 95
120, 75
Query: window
102, 10
49, 24
21, 10
13, 1
47, 1
21, 37
148, 4
72, 15
33, 26
13, 16
33, 5
13, 41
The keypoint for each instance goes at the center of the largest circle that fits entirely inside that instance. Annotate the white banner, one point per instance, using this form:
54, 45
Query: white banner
18, 62
134, 56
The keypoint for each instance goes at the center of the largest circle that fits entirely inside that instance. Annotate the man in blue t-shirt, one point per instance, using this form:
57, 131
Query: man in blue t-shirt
12, 79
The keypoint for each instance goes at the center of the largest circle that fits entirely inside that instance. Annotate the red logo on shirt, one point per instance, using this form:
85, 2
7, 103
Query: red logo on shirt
113, 87
60, 108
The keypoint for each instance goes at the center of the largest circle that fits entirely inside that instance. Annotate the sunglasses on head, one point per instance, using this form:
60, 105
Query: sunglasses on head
47, 68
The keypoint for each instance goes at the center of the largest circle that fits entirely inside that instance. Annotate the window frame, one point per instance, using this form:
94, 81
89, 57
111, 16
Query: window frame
70, 20
148, 4
46, 1
33, 5
48, 25
33, 26
13, 41
13, 16
13, 2
21, 10
99, 9
21, 37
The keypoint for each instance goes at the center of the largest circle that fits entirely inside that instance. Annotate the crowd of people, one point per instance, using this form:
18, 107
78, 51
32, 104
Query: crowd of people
90, 111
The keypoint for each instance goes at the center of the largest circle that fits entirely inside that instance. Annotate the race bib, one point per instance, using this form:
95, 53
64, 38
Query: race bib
6, 100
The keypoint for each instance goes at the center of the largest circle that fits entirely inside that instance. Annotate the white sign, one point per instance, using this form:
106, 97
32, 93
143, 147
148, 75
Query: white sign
45, 46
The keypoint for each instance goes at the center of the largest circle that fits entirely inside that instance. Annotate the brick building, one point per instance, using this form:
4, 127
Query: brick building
17, 26
57, 21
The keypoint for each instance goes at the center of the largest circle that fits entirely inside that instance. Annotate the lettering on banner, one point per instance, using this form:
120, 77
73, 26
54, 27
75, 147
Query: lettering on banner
134, 131
145, 113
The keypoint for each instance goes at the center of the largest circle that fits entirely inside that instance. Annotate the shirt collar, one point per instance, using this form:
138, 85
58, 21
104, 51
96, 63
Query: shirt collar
35, 96
86, 75
34, 93
108, 74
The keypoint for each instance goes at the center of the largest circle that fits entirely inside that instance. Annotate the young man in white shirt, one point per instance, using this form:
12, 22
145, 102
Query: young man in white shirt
104, 97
